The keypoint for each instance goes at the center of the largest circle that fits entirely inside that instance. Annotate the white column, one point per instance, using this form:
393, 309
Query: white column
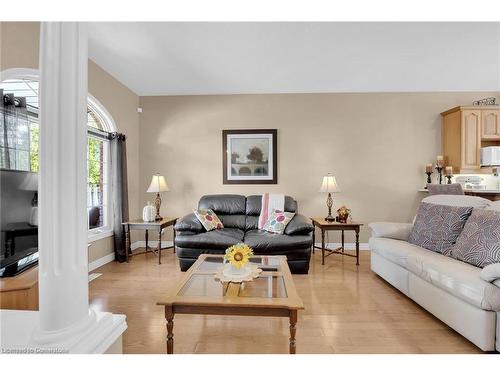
63, 273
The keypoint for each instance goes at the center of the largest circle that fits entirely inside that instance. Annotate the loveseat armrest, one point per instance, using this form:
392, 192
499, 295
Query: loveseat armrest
189, 223
491, 274
299, 224
396, 231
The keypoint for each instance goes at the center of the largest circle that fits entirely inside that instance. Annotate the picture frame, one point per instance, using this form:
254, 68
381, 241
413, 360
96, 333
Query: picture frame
250, 156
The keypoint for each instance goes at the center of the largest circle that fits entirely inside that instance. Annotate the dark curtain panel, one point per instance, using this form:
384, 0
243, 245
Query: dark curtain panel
119, 192
14, 133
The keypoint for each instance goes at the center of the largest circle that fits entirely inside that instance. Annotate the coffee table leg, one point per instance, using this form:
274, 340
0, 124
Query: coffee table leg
357, 247
322, 246
169, 315
342, 241
293, 330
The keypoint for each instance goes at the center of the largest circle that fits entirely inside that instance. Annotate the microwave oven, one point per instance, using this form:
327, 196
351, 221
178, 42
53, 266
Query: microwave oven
490, 156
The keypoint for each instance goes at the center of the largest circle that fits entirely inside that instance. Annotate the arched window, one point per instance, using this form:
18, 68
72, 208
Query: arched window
22, 148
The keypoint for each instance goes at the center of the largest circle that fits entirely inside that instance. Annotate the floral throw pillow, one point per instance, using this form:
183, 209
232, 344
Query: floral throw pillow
437, 226
479, 242
277, 222
208, 219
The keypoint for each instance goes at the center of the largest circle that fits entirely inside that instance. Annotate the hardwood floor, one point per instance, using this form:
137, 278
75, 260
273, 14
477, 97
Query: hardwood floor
347, 310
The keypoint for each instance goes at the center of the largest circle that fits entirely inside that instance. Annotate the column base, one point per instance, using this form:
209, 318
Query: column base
21, 333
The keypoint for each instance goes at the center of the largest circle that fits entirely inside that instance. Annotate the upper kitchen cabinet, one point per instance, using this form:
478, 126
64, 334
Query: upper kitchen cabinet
490, 123
464, 131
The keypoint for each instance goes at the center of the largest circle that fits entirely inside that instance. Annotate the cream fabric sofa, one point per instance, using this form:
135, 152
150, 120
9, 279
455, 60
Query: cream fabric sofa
465, 297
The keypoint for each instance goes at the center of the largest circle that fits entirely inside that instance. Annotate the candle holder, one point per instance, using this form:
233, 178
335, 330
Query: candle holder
429, 181
449, 179
440, 174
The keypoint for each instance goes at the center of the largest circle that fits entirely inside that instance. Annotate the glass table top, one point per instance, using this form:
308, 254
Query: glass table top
270, 283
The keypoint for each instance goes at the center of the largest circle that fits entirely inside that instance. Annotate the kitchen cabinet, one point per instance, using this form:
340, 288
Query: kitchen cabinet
465, 130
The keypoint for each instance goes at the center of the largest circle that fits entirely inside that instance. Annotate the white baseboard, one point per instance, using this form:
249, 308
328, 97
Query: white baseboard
347, 245
101, 261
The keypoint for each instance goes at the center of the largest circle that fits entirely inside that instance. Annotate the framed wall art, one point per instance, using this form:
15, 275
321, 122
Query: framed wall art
250, 156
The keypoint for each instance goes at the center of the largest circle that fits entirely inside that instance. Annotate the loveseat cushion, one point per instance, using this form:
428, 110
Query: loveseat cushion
189, 223
264, 242
437, 227
216, 239
397, 231
229, 204
479, 242
299, 225
457, 278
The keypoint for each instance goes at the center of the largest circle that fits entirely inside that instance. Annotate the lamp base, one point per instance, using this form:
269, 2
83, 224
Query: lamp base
157, 206
329, 218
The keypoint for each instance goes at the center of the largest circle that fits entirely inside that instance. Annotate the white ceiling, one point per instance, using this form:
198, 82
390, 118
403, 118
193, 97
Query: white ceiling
231, 58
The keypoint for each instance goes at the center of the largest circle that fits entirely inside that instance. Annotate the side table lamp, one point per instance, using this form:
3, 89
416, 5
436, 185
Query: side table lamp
329, 186
158, 185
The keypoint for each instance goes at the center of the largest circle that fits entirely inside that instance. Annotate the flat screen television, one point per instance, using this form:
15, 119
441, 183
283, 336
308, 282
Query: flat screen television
18, 232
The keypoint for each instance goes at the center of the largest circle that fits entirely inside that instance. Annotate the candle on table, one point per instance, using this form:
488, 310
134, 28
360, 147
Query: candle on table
428, 168
448, 171
440, 161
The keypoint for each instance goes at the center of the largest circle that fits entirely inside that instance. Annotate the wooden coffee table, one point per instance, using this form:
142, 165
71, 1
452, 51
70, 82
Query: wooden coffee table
271, 294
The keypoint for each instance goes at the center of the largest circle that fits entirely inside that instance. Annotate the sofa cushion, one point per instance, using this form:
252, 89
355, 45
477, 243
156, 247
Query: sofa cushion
397, 231
396, 251
457, 278
216, 239
264, 242
208, 219
278, 221
437, 227
493, 206
479, 242
229, 204
457, 200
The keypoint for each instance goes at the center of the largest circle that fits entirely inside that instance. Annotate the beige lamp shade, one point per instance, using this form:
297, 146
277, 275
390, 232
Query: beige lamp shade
329, 185
158, 184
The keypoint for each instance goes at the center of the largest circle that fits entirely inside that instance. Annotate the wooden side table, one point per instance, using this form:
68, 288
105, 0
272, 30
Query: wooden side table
156, 226
324, 226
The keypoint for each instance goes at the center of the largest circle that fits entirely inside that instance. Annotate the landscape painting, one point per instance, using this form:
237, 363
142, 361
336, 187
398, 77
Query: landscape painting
250, 156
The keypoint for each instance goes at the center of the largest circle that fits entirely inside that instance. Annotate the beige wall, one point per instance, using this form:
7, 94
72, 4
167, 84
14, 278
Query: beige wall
19, 43
375, 144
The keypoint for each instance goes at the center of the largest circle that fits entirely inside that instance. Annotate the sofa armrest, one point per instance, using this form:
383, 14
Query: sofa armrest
396, 231
491, 274
189, 223
299, 224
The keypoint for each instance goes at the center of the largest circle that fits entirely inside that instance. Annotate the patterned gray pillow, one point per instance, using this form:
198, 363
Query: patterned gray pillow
479, 242
437, 226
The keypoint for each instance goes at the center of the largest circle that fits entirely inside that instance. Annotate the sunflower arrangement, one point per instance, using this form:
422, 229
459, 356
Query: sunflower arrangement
238, 255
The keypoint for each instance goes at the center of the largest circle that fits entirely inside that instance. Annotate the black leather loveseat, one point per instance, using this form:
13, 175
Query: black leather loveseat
240, 215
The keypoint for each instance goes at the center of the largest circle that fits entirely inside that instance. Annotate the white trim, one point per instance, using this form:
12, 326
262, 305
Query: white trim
101, 111
347, 245
96, 234
20, 73
101, 261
